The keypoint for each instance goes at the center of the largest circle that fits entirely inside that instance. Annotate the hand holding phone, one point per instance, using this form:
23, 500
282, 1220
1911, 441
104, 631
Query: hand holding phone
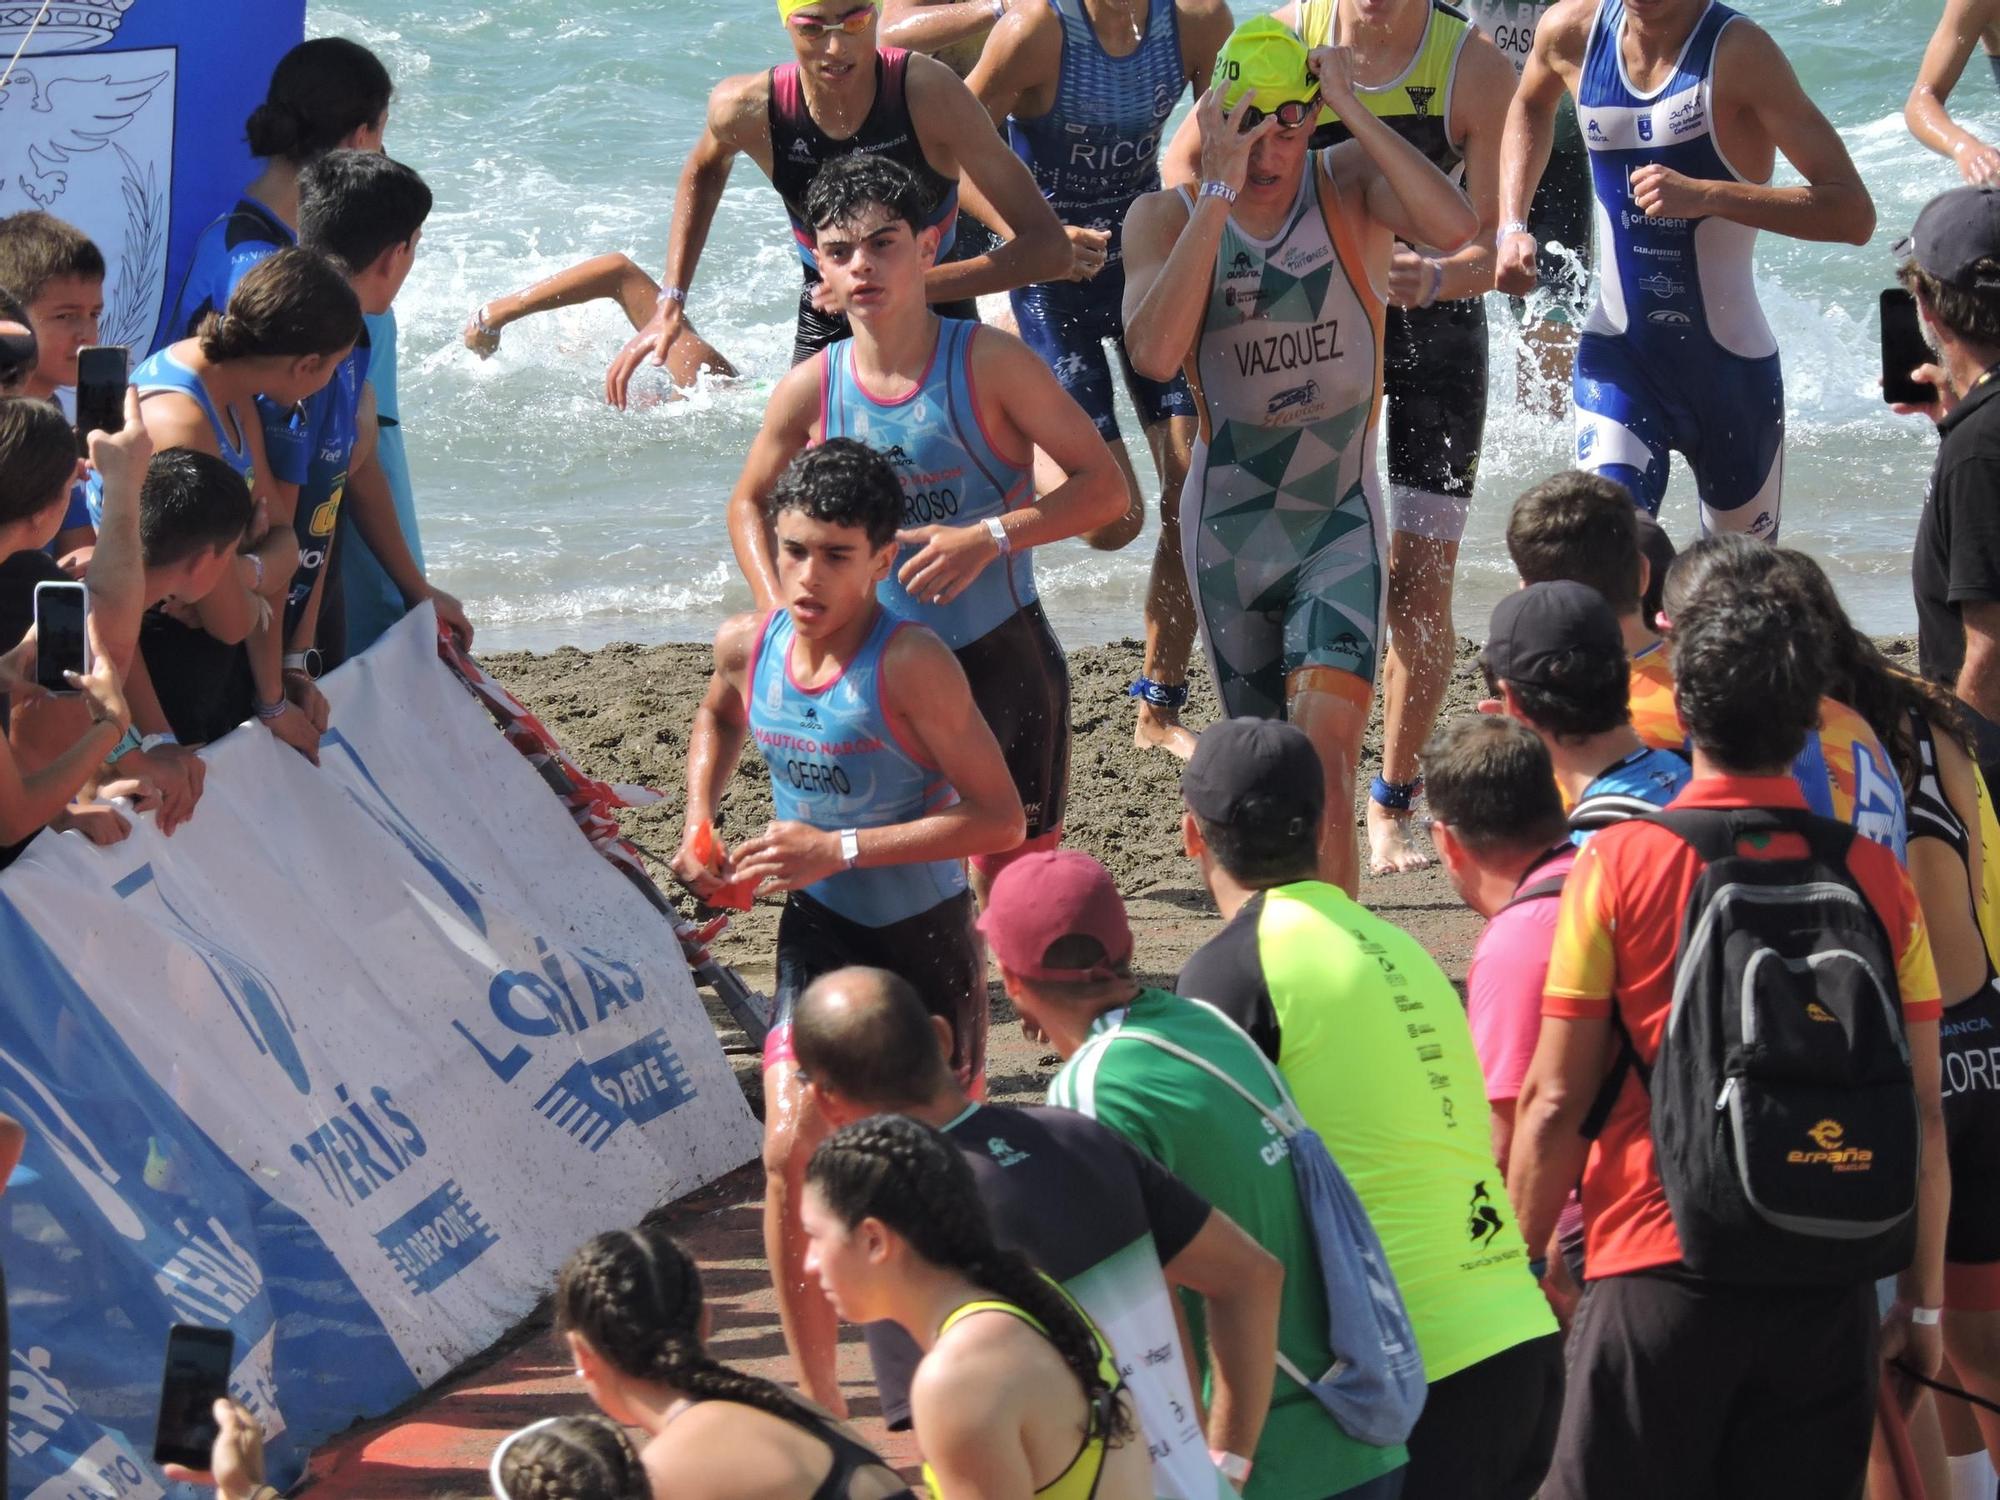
196, 1377
62, 644
1904, 350
102, 371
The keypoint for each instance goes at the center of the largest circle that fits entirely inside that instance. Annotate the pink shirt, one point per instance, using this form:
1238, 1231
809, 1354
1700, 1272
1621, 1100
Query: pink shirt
1503, 986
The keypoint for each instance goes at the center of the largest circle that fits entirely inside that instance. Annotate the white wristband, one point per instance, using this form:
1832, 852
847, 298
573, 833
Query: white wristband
1926, 1317
999, 8
999, 534
850, 848
1515, 226
1222, 190
671, 294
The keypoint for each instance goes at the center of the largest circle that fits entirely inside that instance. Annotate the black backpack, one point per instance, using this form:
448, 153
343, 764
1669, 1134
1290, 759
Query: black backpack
1784, 1113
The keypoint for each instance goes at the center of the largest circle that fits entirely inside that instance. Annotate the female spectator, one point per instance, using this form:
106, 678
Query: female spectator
629, 1304
325, 93
569, 1458
1018, 1392
290, 322
1955, 864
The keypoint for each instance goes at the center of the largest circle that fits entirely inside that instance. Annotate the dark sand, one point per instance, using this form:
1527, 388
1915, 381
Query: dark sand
624, 712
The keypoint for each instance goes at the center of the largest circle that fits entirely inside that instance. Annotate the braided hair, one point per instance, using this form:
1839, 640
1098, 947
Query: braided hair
636, 1296
917, 1183
573, 1458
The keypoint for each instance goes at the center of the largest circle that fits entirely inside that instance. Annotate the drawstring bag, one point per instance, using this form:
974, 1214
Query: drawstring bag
1375, 1386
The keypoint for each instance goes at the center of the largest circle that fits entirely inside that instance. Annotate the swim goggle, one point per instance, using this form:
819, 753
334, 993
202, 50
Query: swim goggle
1290, 115
812, 28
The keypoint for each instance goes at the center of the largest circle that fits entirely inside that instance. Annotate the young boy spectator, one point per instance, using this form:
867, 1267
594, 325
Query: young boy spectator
367, 213
1107, 1221
1058, 930
1584, 528
1498, 823
58, 273
1372, 1039
1727, 1379
1555, 661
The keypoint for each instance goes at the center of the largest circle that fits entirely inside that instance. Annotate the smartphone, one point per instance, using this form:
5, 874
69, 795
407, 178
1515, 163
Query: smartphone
61, 642
197, 1376
1903, 349
101, 373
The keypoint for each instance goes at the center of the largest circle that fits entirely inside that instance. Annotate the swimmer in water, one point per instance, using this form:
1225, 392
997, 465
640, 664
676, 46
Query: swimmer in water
614, 278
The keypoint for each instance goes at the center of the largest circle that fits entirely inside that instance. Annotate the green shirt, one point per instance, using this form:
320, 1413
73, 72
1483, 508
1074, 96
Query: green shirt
1201, 1131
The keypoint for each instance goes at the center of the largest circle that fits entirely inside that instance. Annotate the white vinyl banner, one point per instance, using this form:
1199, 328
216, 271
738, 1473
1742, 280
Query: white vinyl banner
406, 998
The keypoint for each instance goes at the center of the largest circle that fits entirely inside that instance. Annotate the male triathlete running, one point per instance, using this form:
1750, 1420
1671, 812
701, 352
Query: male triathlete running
1269, 283
1085, 88
1684, 106
884, 779
1426, 72
1965, 24
958, 410
844, 94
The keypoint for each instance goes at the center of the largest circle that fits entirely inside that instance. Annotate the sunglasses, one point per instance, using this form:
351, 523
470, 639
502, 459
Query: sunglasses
811, 28
1290, 115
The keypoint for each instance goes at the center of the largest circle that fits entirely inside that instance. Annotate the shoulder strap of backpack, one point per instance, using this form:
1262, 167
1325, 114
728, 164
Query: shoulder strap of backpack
1714, 832
1537, 890
1603, 809
1279, 1122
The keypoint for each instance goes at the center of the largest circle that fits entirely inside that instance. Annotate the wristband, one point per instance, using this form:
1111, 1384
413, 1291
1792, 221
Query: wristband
999, 534
269, 711
127, 743
1538, 1267
1437, 280
257, 566
1233, 1467
999, 9
1926, 1317
671, 294
1215, 189
850, 848
1515, 226
153, 742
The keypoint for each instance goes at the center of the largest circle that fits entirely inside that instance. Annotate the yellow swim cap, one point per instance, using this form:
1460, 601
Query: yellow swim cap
789, 8
1264, 54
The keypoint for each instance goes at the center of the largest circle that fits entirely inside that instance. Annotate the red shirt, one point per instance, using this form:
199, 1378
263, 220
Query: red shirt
1616, 937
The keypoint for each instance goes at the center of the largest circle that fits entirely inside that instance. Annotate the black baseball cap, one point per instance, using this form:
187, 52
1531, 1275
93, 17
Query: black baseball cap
1236, 760
1536, 626
1955, 231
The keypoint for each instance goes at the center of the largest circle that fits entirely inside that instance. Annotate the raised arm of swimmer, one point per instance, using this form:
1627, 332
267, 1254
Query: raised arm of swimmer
1170, 253
1405, 193
1959, 32
736, 115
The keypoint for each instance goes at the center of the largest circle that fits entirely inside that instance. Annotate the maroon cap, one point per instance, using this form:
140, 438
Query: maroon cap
1044, 897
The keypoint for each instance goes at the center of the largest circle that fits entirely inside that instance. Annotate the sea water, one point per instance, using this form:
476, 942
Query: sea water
552, 130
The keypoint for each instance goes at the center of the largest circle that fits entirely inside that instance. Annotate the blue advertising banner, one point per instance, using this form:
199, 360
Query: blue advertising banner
125, 118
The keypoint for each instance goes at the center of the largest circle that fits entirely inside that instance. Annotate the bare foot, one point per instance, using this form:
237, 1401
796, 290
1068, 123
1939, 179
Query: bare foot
1161, 729
1390, 849
481, 339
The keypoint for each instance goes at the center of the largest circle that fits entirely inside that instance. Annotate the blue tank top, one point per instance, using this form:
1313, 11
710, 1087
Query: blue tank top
1098, 148
162, 372
950, 474
1673, 287
835, 762
228, 247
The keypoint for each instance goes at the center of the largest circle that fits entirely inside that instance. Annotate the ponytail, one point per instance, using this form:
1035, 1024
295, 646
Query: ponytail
291, 304
635, 1295
321, 92
917, 1183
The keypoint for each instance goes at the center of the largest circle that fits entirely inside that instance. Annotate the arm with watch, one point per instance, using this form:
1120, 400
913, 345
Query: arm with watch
950, 734
1025, 410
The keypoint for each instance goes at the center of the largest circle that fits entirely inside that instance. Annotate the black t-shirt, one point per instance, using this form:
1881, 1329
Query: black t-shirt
1956, 559
1070, 1194
1228, 972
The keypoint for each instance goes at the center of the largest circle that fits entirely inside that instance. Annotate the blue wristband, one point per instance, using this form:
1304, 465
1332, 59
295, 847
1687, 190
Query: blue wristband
1538, 1267
129, 741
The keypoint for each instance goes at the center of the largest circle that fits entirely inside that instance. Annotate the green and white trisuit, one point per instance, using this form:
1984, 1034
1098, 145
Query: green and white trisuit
1281, 517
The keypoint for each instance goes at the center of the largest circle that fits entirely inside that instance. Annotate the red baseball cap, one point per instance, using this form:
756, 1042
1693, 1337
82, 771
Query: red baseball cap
1044, 897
